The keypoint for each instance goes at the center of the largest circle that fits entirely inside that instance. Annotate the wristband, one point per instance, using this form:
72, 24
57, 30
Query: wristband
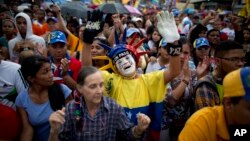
173, 50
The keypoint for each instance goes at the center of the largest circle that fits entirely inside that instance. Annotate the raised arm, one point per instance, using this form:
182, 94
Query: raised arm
93, 28
27, 130
168, 30
118, 27
61, 23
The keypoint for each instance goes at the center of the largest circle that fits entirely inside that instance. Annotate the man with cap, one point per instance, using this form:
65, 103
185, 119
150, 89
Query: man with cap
75, 44
214, 123
200, 50
64, 67
208, 91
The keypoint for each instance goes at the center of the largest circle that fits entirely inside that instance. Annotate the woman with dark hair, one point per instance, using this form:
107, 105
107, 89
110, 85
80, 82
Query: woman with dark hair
40, 100
97, 50
131, 24
246, 43
9, 32
200, 56
213, 37
197, 32
153, 42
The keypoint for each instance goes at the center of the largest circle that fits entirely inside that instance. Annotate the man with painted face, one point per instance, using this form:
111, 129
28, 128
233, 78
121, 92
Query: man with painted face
134, 92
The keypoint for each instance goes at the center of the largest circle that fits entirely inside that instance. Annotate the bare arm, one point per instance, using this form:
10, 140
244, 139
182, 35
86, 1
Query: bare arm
27, 130
185, 6
111, 38
174, 69
61, 23
206, 20
56, 120
69, 81
170, 6
117, 26
86, 55
180, 89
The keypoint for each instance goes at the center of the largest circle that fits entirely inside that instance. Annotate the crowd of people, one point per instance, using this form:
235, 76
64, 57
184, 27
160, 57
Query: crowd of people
168, 75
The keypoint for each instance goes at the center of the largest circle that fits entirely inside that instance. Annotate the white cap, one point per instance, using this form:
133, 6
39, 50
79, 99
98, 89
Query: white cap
136, 19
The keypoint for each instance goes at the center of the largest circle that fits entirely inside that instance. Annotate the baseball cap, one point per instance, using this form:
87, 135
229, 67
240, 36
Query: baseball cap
237, 83
176, 12
163, 43
131, 31
57, 36
52, 19
189, 11
201, 42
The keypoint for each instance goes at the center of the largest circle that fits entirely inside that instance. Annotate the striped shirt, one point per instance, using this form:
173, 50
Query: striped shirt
109, 119
11, 83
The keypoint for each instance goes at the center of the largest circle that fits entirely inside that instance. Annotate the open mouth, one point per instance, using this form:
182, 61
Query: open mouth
127, 67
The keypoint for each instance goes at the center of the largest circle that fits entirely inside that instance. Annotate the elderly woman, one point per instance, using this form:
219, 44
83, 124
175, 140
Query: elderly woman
93, 116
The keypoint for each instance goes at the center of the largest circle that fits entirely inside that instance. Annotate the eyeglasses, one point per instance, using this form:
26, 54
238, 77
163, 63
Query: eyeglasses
235, 59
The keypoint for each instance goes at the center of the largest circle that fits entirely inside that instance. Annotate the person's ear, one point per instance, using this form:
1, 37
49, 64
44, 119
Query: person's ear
217, 62
78, 87
30, 79
227, 104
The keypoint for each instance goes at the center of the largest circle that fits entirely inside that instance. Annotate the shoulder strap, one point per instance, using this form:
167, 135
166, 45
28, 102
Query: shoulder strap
76, 48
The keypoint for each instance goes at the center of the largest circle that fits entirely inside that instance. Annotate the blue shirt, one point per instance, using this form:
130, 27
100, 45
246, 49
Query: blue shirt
38, 114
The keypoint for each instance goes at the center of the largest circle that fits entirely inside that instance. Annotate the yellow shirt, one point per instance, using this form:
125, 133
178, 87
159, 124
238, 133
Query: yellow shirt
134, 93
144, 94
207, 124
72, 41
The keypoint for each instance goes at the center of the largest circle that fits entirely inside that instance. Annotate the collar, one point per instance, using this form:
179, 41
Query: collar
104, 103
222, 130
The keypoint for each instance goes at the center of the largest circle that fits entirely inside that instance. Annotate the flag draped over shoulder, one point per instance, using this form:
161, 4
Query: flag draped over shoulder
245, 11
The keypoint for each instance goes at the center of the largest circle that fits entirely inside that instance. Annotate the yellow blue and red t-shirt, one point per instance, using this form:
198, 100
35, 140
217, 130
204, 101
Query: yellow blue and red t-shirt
207, 124
144, 94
